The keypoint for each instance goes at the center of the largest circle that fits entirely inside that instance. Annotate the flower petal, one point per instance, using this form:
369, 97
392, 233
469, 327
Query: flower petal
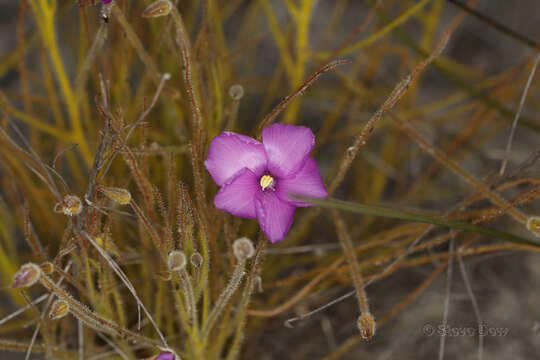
230, 152
307, 181
237, 196
275, 215
287, 147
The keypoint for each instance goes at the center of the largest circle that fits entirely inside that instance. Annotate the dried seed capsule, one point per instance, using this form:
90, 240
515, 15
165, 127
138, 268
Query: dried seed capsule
176, 260
119, 195
27, 276
243, 248
70, 206
236, 92
366, 325
47, 267
533, 224
158, 8
59, 309
196, 259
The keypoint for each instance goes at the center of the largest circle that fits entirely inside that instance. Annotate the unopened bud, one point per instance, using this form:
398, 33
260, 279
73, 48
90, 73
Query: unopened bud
533, 224
167, 354
70, 206
236, 92
366, 325
47, 267
196, 259
258, 282
243, 248
176, 261
164, 275
27, 276
158, 8
59, 309
105, 242
119, 195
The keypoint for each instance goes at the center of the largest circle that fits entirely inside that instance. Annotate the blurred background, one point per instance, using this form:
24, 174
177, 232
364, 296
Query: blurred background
463, 104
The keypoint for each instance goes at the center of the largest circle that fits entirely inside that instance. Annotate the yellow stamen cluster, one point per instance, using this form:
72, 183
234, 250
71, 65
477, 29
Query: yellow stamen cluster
267, 182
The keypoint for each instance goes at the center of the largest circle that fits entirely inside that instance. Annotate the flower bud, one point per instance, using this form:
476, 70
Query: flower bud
158, 8
366, 325
164, 275
166, 354
176, 260
107, 244
236, 92
196, 259
119, 195
70, 206
533, 224
243, 248
27, 276
47, 267
59, 309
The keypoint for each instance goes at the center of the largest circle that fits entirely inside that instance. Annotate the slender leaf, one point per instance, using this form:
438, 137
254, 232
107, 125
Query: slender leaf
397, 214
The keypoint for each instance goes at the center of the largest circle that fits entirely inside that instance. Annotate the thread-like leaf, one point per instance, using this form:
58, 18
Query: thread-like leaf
398, 214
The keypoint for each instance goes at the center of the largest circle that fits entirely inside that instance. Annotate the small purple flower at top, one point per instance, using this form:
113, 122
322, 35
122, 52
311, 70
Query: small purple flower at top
82, 2
165, 355
256, 178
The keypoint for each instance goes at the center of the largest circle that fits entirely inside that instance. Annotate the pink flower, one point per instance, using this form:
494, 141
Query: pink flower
165, 355
256, 178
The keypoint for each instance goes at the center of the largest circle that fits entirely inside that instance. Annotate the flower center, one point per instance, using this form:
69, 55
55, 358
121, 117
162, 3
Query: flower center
267, 182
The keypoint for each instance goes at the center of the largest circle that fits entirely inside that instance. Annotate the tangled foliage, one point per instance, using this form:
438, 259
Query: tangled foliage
110, 244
